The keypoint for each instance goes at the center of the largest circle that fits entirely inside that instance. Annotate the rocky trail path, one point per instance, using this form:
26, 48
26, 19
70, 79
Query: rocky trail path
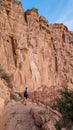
18, 117
33, 116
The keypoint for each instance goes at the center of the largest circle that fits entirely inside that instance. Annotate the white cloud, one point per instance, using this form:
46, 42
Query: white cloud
66, 15
69, 24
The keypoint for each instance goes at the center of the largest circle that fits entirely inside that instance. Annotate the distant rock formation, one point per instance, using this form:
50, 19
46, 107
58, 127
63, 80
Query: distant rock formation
37, 54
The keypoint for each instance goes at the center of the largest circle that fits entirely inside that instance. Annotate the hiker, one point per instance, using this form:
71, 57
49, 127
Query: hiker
25, 96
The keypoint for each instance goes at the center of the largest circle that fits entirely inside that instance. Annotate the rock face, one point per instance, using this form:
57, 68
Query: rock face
45, 119
37, 54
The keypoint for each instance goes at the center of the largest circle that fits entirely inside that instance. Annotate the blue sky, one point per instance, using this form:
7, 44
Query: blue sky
55, 11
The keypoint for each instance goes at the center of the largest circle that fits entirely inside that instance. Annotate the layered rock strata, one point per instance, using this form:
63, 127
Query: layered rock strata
35, 53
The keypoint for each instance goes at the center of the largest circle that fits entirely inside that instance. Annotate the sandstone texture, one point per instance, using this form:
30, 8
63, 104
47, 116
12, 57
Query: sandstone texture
35, 53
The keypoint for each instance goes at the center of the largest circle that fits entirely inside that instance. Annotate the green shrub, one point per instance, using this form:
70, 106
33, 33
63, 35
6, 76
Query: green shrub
58, 125
65, 103
15, 96
12, 96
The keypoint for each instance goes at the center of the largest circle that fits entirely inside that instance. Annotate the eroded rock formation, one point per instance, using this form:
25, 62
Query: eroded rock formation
37, 54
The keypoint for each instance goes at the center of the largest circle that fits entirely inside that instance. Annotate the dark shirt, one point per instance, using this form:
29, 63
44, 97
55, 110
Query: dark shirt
26, 93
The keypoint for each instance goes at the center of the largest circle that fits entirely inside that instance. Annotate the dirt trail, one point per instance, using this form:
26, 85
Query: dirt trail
18, 117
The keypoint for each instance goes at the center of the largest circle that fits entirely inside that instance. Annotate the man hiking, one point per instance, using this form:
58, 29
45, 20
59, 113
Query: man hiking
25, 96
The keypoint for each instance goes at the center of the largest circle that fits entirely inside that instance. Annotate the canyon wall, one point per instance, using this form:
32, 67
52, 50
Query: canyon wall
35, 53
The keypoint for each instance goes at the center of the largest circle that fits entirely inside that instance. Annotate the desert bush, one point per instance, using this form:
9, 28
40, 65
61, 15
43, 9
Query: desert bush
15, 96
12, 96
65, 103
58, 125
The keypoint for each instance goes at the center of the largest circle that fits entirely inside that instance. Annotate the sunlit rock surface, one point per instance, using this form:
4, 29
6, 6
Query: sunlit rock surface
37, 54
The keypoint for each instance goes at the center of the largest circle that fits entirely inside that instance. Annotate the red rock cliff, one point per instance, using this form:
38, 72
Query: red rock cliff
34, 52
